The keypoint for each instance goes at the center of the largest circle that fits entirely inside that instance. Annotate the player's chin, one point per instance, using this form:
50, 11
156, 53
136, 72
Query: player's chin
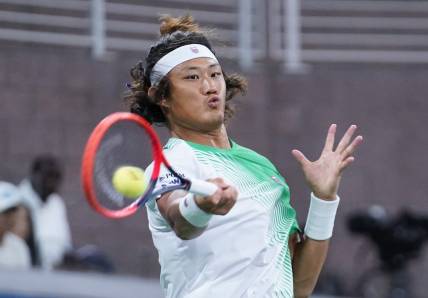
213, 121
217, 118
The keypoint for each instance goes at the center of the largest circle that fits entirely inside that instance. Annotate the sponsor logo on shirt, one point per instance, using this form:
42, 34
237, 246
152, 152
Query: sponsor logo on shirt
278, 181
170, 179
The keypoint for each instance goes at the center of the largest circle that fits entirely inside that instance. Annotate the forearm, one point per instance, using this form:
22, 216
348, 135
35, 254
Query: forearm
323, 177
310, 254
190, 214
182, 228
309, 257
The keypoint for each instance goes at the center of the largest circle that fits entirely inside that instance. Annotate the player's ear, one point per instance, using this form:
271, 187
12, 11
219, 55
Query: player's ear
164, 103
152, 91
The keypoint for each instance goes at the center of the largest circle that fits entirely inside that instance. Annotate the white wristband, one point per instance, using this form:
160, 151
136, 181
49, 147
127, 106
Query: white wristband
320, 220
192, 213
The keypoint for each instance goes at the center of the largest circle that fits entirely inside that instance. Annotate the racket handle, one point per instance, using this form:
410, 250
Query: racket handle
202, 188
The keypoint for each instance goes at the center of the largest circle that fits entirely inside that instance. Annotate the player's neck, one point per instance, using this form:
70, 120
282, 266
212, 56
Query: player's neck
217, 138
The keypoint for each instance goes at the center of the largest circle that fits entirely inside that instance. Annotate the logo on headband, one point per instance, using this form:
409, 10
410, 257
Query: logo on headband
194, 49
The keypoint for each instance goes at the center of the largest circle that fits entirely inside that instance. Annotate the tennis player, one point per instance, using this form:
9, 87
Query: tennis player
243, 241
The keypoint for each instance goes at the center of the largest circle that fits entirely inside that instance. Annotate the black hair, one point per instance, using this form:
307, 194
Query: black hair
46, 161
175, 33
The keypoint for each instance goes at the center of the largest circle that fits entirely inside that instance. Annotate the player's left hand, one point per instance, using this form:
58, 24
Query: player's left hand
323, 175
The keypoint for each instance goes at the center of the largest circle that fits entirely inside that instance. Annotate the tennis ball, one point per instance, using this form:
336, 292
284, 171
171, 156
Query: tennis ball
129, 181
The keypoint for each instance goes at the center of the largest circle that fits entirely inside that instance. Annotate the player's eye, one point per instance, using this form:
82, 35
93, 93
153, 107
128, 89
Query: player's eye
192, 77
216, 74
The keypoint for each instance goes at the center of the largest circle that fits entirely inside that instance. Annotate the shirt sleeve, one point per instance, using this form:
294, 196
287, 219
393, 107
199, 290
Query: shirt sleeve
183, 161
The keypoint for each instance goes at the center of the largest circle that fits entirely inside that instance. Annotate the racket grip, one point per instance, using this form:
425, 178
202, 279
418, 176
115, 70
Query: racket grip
202, 188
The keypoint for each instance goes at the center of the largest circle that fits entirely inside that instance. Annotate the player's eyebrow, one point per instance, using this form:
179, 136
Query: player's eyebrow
197, 67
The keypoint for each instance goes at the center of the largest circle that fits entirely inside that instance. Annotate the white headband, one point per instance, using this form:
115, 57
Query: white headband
178, 56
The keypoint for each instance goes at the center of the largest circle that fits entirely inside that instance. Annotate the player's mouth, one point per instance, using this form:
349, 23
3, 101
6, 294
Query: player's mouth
214, 102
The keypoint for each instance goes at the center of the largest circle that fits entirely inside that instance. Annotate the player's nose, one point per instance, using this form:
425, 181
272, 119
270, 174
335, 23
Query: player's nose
209, 86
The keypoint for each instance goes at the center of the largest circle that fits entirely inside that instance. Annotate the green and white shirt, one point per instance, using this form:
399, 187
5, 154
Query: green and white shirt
241, 254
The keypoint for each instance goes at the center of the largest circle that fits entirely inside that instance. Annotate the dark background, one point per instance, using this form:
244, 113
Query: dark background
51, 98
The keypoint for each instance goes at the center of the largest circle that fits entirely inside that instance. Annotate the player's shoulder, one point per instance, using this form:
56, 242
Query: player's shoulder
175, 144
179, 154
177, 149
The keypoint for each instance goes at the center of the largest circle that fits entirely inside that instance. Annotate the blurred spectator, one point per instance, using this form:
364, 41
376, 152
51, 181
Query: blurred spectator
14, 252
23, 227
48, 213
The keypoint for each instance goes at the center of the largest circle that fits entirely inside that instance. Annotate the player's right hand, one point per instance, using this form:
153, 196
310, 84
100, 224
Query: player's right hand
222, 201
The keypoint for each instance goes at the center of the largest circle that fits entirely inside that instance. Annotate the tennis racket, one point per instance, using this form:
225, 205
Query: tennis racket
126, 139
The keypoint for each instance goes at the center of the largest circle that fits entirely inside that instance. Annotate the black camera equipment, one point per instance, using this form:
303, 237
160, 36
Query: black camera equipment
398, 239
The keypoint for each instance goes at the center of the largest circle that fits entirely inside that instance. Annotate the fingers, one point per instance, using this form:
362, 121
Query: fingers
227, 201
346, 138
352, 147
329, 141
346, 163
222, 200
219, 182
300, 157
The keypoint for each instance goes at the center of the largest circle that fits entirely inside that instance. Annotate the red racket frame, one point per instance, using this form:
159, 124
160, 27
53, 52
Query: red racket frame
88, 162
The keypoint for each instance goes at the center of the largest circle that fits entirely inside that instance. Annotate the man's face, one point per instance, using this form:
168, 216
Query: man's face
197, 95
46, 181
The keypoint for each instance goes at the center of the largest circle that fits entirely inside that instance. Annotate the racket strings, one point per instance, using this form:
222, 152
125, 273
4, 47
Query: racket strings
105, 165
124, 144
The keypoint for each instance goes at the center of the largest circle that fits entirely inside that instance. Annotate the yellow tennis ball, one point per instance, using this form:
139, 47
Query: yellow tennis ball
129, 181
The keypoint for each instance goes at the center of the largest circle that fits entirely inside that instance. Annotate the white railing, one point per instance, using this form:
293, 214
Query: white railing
98, 27
285, 38
295, 32
348, 31
107, 25
68, 26
293, 59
